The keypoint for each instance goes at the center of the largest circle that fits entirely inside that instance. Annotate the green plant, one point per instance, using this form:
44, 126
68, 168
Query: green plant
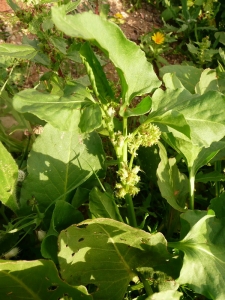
92, 228
193, 23
156, 44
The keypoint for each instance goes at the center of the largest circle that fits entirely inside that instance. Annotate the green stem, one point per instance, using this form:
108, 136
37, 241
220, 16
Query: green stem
25, 153
196, 32
192, 189
124, 158
131, 161
2, 212
128, 198
10, 73
130, 210
217, 167
146, 284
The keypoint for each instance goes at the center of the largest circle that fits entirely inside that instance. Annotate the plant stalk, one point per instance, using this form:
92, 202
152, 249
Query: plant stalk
217, 167
128, 198
192, 189
146, 284
130, 210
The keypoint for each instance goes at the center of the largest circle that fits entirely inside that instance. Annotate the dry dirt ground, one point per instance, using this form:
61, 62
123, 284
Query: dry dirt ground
136, 23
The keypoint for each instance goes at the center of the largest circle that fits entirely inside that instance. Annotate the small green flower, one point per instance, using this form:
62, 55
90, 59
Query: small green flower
150, 134
128, 181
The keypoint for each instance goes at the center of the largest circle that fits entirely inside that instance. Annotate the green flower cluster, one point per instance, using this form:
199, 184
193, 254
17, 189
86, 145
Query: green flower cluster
147, 135
128, 180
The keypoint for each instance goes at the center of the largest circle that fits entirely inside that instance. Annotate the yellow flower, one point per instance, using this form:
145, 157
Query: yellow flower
158, 38
118, 15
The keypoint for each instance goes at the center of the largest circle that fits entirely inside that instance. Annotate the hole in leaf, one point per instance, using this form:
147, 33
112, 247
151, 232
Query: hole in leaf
73, 254
66, 245
92, 288
52, 287
83, 226
81, 239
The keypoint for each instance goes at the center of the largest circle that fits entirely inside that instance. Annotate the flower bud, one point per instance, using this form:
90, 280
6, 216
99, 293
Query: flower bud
12, 253
111, 112
41, 235
21, 176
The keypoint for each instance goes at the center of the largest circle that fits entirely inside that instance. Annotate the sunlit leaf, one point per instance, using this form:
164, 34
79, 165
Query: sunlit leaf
17, 282
136, 74
188, 75
204, 257
105, 253
172, 184
8, 179
58, 163
17, 51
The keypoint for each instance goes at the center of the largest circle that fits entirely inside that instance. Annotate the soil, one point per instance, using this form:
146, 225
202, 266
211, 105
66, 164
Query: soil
4, 6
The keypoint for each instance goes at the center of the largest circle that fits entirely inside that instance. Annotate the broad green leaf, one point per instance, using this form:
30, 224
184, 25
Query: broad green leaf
8, 179
193, 49
170, 120
40, 56
164, 109
98, 79
47, 24
218, 206
58, 163
222, 55
142, 108
136, 74
81, 196
172, 82
63, 215
188, 75
73, 53
149, 159
195, 156
173, 185
163, 101
204, 256
91, 117
106, 253
187, 222
35, 280
221, 79
207, 125
168, 295
17, 51
103, 205
220, 36
212, 176
60, 43
208, 82
62, 112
